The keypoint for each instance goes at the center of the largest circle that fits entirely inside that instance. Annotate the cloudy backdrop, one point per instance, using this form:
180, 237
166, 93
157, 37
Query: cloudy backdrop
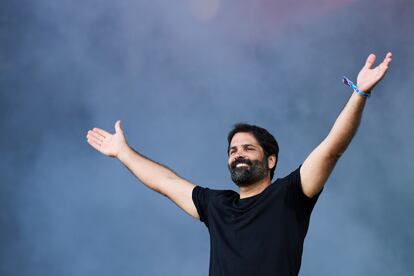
179, 74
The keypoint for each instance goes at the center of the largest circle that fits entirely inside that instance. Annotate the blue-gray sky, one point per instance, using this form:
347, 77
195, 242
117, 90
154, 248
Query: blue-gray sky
179, 74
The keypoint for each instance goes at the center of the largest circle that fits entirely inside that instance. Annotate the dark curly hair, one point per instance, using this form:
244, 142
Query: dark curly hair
263, 137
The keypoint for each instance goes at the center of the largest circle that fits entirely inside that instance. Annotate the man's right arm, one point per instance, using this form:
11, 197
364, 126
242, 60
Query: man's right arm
160, 179
154, 175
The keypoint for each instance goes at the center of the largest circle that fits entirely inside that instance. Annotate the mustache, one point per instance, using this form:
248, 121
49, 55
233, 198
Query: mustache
240, 161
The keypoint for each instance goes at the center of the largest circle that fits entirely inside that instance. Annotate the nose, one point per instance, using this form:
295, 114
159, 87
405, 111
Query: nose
238, 156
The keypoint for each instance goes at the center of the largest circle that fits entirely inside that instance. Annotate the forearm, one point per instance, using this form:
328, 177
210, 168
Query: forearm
321, 161
151, 173
345, 126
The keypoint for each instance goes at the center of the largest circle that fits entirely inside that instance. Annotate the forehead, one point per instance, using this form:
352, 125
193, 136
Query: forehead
241, 138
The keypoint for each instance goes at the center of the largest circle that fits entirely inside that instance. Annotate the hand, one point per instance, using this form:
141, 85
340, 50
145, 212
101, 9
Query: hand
367, 77
106, 143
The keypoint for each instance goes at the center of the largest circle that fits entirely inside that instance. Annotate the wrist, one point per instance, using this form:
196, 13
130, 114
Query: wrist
349, 83
123, 152
363, 88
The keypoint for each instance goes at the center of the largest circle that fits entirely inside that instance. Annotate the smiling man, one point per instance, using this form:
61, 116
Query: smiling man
261, 229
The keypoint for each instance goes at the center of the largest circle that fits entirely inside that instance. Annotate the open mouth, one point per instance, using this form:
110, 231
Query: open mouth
242, 165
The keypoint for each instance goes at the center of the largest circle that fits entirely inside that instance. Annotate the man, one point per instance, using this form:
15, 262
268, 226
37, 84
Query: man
261, 229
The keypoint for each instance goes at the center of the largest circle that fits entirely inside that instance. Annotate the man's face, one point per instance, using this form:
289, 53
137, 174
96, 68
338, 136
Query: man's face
247, 162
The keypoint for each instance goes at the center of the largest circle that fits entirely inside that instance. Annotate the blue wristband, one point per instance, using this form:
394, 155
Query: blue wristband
346, 81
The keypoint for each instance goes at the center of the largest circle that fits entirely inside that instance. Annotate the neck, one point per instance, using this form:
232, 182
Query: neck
255, 188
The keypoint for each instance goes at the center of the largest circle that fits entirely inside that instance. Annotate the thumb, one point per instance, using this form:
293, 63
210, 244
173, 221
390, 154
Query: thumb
370, 61
118, 126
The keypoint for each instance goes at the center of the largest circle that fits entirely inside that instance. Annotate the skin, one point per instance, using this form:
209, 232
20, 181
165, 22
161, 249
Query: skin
318, 166
244, 145
314, 171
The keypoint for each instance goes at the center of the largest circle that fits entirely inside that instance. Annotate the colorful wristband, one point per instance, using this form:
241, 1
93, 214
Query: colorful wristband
346, 81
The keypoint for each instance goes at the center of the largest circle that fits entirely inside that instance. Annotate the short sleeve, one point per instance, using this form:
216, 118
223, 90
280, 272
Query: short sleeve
296, 198
201, 198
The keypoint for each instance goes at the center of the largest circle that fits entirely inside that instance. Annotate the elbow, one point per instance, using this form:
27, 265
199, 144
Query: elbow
338, 155
334, 156
334, 153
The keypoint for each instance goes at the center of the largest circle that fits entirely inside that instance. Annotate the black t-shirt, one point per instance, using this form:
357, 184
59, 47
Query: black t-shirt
261, 235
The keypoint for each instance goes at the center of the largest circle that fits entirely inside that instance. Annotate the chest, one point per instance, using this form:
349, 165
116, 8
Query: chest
269, 222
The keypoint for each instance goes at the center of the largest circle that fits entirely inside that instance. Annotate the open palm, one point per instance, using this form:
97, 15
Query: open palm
368, 77
107, 143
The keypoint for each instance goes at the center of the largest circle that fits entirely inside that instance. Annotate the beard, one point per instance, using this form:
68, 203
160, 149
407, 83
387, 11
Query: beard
245, 176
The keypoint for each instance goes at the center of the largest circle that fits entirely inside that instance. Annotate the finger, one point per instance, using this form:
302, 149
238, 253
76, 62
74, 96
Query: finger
387, 59
370, 61
94, 140
383, 67
95, 135
102, 132
94, 144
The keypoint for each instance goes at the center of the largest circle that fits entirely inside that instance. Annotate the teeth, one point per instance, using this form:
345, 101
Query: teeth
241, 164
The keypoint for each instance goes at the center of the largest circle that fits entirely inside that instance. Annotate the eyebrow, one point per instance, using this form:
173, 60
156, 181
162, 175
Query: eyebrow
244, 145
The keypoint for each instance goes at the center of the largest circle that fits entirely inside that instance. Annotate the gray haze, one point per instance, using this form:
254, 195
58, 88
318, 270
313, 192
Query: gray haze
179, 74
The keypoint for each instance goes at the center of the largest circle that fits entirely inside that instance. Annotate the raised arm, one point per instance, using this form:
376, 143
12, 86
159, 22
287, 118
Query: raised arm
154, 175
317, 167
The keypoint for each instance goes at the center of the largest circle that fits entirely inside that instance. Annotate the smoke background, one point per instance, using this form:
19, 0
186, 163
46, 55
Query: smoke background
179, 74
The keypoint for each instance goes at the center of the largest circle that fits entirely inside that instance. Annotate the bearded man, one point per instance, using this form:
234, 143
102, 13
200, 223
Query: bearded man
261, 229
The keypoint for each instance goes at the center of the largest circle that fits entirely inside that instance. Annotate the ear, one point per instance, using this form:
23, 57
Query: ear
272, 160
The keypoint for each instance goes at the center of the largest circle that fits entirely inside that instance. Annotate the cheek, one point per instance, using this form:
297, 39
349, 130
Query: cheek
255, 156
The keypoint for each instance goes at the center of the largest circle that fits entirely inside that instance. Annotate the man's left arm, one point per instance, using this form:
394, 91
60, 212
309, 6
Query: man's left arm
317, 167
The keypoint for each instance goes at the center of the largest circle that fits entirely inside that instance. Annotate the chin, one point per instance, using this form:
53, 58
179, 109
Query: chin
243, 184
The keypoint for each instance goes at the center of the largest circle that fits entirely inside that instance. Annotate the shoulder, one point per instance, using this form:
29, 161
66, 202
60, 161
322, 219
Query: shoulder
213, 193
292, 177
